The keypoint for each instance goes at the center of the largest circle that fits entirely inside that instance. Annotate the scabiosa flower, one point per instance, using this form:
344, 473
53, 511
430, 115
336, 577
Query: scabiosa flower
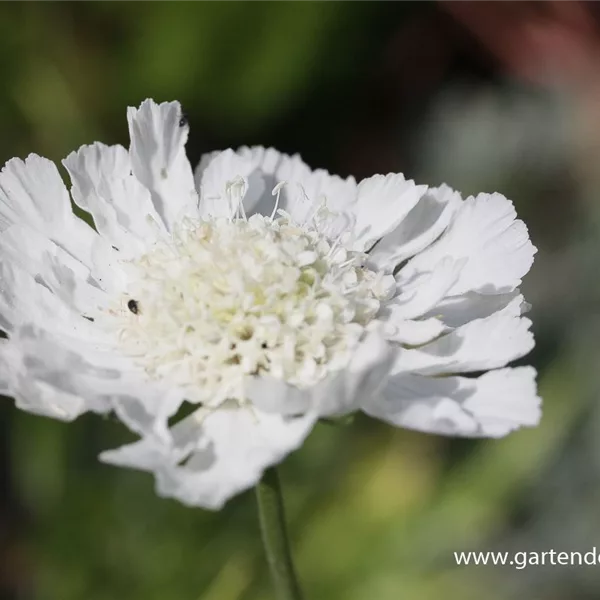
262, 294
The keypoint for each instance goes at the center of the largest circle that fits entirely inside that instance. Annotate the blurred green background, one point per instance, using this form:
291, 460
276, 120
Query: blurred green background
483, 96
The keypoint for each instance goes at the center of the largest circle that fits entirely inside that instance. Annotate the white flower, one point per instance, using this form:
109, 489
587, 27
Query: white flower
264, 294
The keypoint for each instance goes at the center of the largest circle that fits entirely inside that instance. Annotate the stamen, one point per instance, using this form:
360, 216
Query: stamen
319, 205
277, 192
236, 189
338, 239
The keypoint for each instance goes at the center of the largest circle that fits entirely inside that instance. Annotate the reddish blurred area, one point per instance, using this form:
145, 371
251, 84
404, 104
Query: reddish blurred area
551, 45
554, 44
550, 42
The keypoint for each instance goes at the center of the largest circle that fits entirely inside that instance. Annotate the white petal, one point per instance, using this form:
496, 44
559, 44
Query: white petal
158, 137
205, 160
340, 393
421, 226
273, 395
50, 378
413, 333
79, 283
425, 290
108, 270
214, 176
482, 344
264, 169
455, 311
307, 189
24, 300
28, 248
104, 186
491, 405
276, 167
146, 454
33, 193
365, 374
51, 267
383, 202
6, 369
40, 398
62, 376
215, 456
145, 406
496, 246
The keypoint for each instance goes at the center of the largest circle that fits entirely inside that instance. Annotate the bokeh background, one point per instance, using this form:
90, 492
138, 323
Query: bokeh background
484, 96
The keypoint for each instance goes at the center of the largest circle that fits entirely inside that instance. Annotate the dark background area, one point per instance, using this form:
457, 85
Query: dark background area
485, 96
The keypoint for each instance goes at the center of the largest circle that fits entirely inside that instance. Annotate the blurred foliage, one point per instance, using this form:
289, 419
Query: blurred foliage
374, 512
236, 67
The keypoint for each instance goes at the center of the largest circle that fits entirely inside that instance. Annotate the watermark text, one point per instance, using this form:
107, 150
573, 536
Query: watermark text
522, 560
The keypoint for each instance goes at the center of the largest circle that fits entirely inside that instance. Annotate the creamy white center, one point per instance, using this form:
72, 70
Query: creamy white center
229, 298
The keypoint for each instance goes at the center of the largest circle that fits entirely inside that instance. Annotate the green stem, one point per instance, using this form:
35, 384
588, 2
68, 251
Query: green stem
274, 536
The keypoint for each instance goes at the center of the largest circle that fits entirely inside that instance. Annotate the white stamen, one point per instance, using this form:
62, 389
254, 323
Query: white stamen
236, 189
338, 239
277, 192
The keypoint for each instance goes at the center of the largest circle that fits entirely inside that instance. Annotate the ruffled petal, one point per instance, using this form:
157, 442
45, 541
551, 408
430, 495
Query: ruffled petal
455, 311
425, 290
158, 135
485, 231
121, 206
413, 333
51, 267
49, 378
32, 193
215, 455
491, 405
419, 228
383, 202
23, 300
482, 344
363, 376
61, 376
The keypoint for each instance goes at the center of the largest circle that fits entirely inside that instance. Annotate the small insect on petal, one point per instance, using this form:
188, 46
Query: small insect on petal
133, 306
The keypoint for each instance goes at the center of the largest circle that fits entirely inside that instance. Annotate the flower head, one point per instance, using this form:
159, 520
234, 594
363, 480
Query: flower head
264, 294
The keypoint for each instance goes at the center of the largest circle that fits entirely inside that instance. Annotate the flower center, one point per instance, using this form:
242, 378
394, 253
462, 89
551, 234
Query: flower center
225, 299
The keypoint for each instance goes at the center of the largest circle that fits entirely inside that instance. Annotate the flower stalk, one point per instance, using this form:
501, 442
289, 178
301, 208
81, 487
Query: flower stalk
275, 538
